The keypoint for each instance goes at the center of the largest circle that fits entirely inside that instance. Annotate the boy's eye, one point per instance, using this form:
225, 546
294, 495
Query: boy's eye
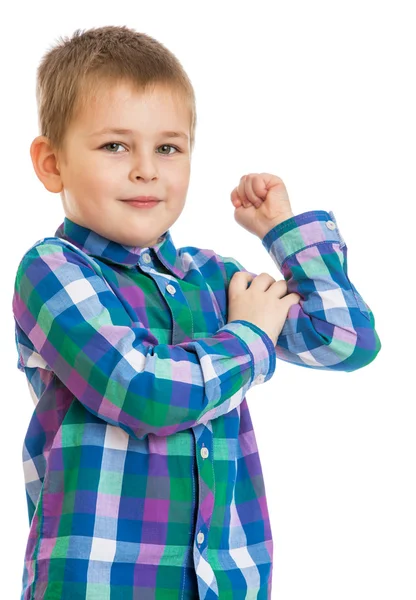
119, 144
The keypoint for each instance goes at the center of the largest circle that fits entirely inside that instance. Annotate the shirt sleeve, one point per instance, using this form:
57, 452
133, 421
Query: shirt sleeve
331, 327
80, 328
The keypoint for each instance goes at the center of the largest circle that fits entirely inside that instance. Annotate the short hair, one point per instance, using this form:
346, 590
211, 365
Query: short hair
78, 66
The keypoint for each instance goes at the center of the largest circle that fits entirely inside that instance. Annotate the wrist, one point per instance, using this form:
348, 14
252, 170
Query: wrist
273, 223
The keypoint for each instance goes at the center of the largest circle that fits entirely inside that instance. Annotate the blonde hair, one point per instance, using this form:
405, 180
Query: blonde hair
77, 67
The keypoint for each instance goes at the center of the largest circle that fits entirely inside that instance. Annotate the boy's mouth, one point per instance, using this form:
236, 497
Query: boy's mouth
142, 203
142, 199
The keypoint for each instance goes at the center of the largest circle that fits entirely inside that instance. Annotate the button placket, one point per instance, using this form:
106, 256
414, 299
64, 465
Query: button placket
179, 330
200, 537
184, 327
204, 452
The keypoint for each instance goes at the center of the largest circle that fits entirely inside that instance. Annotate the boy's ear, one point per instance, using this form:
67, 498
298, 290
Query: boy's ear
45, 164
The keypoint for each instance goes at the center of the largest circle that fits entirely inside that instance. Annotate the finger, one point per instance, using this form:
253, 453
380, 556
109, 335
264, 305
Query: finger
235, 199
291, 298
242, 193
240, 280
265, 281
280, 287
251, 194
241, 202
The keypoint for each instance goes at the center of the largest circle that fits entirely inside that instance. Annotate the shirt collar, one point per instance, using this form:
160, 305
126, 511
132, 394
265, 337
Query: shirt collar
98, 246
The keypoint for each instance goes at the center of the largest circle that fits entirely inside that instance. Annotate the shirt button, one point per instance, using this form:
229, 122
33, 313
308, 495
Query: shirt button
146, 258
330, 224
200, 537
259, 378
160, 239
171, 289
204, 452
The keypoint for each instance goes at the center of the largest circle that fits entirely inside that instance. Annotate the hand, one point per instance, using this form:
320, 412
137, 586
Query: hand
265, 302
261, 202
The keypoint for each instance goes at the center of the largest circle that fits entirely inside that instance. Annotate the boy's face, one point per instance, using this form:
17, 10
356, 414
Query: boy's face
96, 180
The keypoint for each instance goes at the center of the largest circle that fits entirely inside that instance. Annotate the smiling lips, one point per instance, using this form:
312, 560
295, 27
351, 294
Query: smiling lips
143, 201
143, 204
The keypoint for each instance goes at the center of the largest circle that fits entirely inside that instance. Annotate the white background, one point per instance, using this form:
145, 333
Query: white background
321, 94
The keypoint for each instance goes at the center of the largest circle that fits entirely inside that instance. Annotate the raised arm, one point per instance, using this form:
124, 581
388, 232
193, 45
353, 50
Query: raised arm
331, 327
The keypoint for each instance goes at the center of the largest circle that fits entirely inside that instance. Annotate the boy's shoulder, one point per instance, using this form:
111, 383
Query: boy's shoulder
53, 240
47, 241
68, 252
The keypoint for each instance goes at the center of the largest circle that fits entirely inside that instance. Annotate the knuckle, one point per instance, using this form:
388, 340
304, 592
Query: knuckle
236, 274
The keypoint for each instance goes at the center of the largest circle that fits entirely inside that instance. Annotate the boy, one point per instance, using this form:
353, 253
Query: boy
142, 472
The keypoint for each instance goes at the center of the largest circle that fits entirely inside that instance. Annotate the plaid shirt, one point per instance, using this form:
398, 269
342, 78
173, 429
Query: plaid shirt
142, 473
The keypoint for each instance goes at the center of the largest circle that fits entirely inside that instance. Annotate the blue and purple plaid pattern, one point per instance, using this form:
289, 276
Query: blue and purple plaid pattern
142, 472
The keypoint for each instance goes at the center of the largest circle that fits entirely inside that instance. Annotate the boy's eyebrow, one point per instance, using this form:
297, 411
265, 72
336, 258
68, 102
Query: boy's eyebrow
121, 131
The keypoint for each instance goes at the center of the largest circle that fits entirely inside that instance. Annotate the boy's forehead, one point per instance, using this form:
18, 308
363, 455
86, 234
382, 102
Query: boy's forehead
117, 95
101, 107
